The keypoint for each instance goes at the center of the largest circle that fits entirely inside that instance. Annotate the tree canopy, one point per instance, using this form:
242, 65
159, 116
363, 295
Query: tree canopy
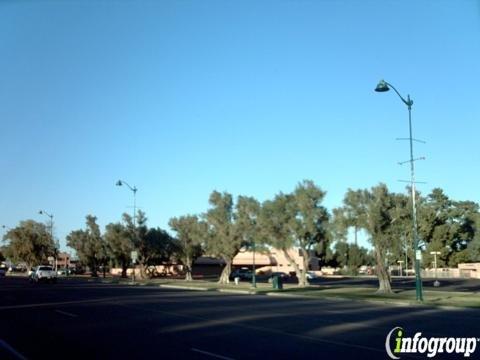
29, 242
191, 234
89, 244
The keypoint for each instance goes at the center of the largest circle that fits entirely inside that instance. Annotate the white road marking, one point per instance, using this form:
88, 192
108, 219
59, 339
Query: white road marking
11, 350
212, 354
66, 313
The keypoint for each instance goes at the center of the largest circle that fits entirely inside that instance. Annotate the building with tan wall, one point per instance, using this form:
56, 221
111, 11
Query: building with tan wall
274, 260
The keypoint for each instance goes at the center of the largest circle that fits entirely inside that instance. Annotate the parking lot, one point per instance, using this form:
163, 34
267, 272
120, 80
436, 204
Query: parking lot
81, 319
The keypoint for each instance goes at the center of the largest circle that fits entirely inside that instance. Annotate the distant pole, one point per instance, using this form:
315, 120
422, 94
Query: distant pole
254, 279
406, 256
43, 212
435, 253
134, 191
400, 262
384, 86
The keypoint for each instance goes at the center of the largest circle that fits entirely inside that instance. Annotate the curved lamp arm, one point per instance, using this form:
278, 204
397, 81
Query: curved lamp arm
122, 182
384, 86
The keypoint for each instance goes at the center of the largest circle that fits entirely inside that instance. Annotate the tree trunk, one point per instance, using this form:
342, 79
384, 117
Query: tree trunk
188, 269
225, 276
306, 262
143, 273
301, 279
124, 269
382, 274
94, 268
188, 273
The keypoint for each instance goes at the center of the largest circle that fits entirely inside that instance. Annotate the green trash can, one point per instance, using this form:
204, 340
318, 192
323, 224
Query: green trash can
277, 282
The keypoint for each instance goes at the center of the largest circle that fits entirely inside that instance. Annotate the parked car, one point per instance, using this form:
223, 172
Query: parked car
43, 273
242, 274
365, 270
63, 272
3, 271
311, 275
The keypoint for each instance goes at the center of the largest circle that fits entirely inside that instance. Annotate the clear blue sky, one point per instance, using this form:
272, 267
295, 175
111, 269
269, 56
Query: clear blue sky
183, 97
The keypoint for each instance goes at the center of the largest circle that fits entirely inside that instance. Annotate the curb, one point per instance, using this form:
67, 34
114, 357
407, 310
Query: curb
185, 287
287, 295
234, 291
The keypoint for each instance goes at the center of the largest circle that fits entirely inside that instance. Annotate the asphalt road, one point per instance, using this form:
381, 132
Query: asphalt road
84, 320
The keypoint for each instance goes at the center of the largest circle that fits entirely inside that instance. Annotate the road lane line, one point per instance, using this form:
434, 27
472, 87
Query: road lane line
66, 313
60, 303
212, 354
11, 350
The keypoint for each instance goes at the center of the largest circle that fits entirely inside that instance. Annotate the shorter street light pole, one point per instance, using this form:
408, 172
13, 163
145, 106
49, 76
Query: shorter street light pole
400, 262
254, 279
43, 212
436, 283
134, 191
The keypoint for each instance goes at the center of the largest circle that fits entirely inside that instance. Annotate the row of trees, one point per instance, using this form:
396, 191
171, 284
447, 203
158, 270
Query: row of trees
288, 220
299, 220
94, 249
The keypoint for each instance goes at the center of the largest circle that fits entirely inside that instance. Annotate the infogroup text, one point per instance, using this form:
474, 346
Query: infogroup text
400, 344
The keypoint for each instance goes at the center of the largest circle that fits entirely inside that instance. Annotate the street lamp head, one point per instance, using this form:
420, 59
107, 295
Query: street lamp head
119, 183
382, 86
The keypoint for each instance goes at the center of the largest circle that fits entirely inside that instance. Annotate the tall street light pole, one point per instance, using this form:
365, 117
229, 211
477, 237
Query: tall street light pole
384, 86
134, 191
43, 212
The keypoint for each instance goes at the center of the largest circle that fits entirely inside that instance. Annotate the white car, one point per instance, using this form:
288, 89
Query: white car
43, 273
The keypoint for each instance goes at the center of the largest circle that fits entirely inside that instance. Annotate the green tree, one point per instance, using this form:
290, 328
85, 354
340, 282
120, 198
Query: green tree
341, 254
29, 242
153, 246
275, 219
120, 245
349, 256
191, 233
447, 226
297, 220
309, 222
89, 245
223, 240
247, 222
474, 245
374, 212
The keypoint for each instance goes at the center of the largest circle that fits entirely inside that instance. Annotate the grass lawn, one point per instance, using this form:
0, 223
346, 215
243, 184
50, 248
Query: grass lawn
407, 297
437, 298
